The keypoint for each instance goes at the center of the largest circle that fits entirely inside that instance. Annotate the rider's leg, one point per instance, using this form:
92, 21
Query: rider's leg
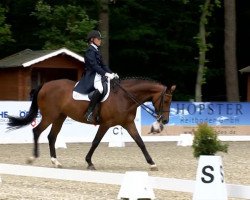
96, 98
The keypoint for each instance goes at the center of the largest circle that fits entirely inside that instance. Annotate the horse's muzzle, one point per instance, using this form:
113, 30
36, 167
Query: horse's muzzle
164, 121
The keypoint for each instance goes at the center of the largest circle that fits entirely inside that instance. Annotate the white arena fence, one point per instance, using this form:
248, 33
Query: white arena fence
179, 185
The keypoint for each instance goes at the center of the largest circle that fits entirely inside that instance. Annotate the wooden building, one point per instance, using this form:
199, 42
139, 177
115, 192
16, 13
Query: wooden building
25, 70
246, 72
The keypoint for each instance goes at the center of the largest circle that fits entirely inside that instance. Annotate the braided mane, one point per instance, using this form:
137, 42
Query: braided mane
140, 78
134, 78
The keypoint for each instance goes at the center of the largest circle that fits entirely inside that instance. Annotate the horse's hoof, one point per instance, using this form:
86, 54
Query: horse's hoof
91, 167
56, 163
30, 160
153, 168
59, 166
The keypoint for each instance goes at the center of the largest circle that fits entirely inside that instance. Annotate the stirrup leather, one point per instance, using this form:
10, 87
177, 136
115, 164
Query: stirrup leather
89, 117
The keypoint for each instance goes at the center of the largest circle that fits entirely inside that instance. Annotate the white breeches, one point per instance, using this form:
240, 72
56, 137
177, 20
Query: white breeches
98, 83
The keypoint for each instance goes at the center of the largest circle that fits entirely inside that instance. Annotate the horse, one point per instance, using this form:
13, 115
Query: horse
55, 102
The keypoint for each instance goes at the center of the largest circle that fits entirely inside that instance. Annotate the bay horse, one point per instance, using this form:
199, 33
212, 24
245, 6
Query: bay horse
55, 102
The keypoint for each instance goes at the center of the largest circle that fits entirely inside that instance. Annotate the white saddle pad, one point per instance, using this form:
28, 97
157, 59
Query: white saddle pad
79, 96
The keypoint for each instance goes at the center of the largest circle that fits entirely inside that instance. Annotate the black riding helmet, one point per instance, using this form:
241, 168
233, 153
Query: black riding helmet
93, 34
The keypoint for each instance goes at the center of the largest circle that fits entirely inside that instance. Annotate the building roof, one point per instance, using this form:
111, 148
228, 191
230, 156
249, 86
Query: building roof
28, 57
245, 70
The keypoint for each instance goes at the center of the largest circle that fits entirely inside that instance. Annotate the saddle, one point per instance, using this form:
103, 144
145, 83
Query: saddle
87, 97
77, 95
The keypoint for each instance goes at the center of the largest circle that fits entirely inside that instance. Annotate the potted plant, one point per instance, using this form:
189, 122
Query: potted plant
206, 141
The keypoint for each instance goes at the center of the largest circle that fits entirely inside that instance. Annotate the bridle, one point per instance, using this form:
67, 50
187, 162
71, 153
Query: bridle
158, 114
160, 111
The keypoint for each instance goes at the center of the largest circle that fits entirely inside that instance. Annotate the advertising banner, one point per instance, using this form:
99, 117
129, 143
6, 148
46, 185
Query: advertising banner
71, 131
226, 117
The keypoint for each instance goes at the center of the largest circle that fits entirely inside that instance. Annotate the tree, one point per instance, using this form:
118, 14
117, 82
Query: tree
5, 32
61, 26
206, 11
104, 28
232, 86
153, 39
146, 38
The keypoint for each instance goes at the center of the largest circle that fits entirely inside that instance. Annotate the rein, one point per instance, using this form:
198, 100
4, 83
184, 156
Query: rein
156, 115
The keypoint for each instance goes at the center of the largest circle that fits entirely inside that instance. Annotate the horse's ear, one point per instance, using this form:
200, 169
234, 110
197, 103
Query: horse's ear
173, 88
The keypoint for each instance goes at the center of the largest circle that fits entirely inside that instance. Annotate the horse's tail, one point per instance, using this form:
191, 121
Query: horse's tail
19, 122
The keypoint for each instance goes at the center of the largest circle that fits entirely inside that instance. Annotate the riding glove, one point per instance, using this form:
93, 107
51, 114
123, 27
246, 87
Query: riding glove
110, 76
116, 75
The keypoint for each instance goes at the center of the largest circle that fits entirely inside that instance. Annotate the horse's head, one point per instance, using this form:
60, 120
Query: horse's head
162, 104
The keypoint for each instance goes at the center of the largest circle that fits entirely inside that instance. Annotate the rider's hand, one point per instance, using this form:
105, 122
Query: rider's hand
116, 76
110, 76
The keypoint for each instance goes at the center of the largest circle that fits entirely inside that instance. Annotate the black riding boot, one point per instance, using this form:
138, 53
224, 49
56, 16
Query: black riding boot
94, 100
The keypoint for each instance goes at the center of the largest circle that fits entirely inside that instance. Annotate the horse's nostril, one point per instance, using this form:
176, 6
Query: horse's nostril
165, 121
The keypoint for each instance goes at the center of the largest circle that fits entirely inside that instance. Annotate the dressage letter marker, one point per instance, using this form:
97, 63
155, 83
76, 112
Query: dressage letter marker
210, 182
136, 185
116, 139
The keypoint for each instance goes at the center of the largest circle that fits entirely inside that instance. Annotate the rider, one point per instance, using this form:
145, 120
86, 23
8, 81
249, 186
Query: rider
95, 71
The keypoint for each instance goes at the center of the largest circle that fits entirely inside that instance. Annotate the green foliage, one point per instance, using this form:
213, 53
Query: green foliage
155, 39
5, 32
61, 26
206, 141
146, 38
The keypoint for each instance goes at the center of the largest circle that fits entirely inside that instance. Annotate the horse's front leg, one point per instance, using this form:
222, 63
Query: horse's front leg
132, 130
99, 135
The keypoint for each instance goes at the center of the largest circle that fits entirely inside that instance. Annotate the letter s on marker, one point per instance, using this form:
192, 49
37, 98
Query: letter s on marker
211, 176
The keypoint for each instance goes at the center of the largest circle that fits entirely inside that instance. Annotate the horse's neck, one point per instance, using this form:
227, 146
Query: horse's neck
143, 91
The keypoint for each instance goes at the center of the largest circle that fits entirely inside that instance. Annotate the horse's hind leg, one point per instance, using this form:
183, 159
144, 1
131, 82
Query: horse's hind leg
36, 134
55, 129
132, 130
